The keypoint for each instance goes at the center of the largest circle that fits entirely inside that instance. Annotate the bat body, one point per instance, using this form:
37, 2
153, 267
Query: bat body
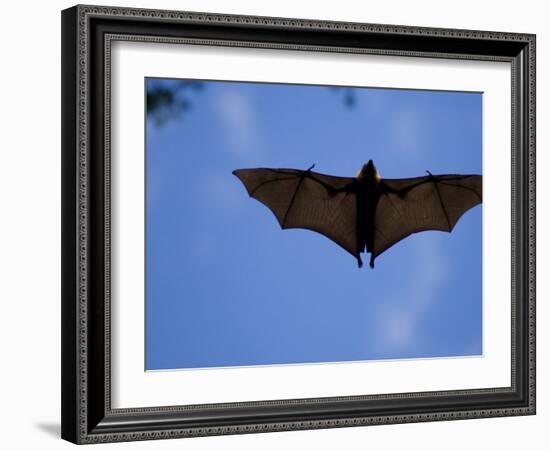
364, 213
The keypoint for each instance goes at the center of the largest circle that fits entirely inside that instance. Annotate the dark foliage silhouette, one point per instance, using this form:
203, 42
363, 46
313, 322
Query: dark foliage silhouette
348, 96
167, 101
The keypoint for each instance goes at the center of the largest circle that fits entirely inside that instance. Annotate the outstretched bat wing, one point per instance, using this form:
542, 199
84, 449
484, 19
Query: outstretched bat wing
411, 205
306, 199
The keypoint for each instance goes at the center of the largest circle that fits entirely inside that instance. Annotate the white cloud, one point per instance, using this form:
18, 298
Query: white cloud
242, 131
399, 327
406, 131
405, 306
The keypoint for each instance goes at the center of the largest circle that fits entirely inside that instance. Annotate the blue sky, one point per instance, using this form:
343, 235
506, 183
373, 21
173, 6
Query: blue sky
225, 286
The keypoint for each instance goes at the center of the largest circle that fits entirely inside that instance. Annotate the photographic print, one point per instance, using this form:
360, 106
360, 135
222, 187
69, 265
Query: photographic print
275, 224
379, 194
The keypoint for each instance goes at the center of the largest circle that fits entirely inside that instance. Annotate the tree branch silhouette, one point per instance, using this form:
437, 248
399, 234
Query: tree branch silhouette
168, 101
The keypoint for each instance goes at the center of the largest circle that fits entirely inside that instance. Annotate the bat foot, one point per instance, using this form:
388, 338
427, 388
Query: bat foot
371, 262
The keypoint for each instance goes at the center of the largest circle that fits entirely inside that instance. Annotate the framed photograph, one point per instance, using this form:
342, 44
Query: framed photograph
277, 224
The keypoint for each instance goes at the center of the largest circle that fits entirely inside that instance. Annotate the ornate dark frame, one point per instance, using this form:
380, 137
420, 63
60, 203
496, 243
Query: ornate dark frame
87, 415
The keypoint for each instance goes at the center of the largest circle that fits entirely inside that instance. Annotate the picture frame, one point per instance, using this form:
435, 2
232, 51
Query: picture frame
88, 415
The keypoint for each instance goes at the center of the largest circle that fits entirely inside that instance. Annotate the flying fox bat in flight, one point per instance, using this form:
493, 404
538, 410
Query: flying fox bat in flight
365, 213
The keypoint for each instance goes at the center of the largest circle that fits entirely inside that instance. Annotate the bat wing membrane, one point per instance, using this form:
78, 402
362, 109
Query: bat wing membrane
306, 199
433, 202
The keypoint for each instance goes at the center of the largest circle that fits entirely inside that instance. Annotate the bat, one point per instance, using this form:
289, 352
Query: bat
365, 213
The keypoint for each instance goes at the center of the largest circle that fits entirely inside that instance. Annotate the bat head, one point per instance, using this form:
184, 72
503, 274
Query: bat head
369, 172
